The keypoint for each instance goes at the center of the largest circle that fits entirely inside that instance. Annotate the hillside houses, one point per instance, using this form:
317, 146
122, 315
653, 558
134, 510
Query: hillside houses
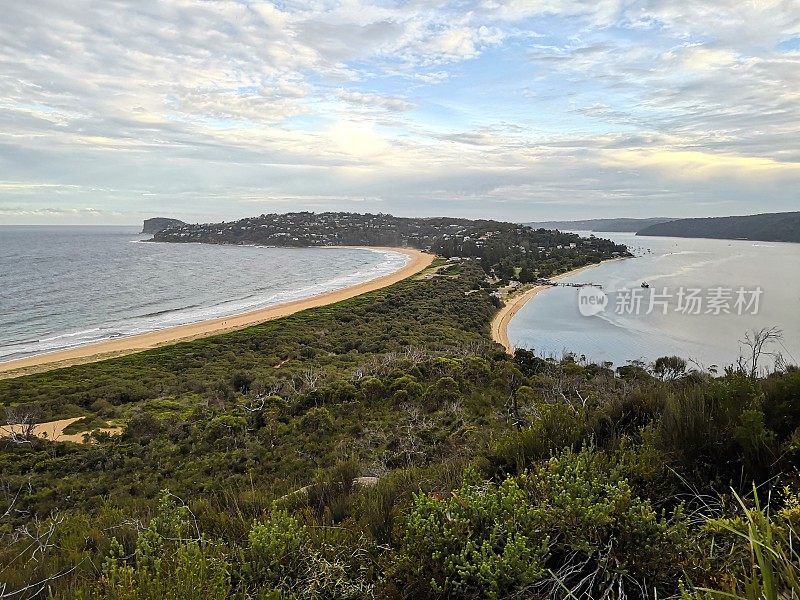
506, 249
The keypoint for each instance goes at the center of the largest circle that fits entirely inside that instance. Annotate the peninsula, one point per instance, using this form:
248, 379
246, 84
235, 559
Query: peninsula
504, 250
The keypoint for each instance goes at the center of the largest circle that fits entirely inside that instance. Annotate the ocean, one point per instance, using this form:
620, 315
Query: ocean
704, 297
62, 287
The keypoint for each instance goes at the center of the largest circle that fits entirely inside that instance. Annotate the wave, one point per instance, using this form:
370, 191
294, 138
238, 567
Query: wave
159, 319
55, 342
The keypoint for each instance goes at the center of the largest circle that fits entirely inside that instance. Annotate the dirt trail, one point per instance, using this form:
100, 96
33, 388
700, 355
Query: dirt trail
54, 430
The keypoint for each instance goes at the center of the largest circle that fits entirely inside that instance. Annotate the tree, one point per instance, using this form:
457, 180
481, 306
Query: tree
755, 343
21, 423
669, 368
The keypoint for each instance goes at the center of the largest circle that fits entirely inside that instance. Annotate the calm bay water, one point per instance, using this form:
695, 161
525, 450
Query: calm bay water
552, 323
65, 286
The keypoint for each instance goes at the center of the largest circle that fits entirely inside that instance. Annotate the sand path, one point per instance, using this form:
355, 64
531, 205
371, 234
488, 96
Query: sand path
53, 430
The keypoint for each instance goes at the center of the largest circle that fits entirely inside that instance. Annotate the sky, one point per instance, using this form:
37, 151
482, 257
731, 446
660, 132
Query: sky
112, 111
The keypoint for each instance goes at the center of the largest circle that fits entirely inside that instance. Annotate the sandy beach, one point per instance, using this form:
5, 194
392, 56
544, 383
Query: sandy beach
145, 341
53, 430
516, 301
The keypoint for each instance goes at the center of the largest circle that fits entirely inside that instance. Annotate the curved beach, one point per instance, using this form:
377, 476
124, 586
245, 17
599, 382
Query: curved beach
515, 302
146, 341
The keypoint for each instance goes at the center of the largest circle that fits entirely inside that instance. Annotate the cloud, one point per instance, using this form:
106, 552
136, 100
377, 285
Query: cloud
477, 107
457, 43
367, 100
49, 211
694, 164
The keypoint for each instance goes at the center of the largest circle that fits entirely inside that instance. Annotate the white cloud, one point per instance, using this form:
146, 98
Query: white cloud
460, 42
391, 103
210, 106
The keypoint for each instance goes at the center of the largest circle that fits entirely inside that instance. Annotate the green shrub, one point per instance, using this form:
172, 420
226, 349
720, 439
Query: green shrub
604, 539
188, 571
406, 387
372, 389
273, 558
764, 562
317, 420
166, 563
444, 390
481, 542
556, 426
378, 507
328, 495
225, 431
572, 521
242, 382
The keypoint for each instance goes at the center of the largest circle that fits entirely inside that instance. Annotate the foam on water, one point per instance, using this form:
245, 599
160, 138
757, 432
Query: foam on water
79, 286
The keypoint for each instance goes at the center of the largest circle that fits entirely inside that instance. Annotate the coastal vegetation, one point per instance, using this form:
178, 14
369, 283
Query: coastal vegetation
767, 227
385, 447
504, 250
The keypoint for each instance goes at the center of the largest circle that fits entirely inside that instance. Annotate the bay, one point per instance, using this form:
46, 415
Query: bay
62, 287
552, 324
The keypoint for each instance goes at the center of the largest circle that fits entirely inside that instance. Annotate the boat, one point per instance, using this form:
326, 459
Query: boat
645, 284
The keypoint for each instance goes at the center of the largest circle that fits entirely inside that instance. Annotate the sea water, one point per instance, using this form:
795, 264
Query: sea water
62, 287
553, 322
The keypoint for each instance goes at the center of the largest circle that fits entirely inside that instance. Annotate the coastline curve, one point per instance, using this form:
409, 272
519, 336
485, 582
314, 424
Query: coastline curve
513, 304
146, 341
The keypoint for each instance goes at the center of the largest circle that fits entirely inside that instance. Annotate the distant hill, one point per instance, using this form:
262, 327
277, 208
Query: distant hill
609, 225
510, 250
767, 227
156, 224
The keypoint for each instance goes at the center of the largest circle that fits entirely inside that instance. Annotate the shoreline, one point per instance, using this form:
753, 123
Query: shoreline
514, 303
191, 331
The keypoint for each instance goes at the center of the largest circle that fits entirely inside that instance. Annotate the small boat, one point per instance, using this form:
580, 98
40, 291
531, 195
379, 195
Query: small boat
645, 284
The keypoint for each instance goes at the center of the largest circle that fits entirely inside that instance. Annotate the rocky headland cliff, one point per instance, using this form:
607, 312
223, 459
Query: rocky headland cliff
154, 225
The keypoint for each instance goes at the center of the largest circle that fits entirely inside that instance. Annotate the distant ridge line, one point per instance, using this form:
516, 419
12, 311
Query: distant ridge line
621, 225
764, 227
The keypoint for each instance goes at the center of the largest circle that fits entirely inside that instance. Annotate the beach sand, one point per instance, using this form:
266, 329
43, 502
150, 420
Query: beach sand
145, 341
515, 302
54, 431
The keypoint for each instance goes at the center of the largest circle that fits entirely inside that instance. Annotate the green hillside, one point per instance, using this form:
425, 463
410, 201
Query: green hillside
767, 227
385, 447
